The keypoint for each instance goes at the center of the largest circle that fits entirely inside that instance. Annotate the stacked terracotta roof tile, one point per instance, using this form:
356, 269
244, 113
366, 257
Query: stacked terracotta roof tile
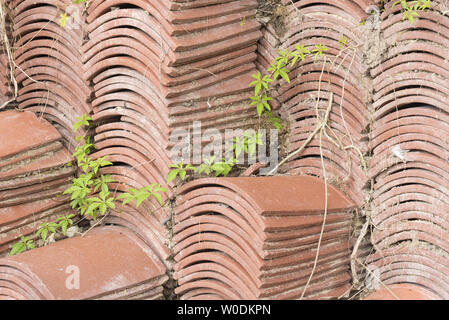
152, 67
6, 87
157, 66
33, 175
336, 25
411, 151
257, 238
5, 90
311, 23
49, 67
108, 263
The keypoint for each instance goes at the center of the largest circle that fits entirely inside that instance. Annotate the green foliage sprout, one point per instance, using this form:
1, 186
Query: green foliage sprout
22, 246
278, 69
246, 143
89, 192
64, 17
410, 8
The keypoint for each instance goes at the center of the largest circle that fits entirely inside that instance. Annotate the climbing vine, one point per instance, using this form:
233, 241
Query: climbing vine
89, 192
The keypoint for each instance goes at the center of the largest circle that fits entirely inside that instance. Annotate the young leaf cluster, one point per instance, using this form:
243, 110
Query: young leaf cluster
44, 230
247, 143
89, 192
410, 8
279, 68
63, 17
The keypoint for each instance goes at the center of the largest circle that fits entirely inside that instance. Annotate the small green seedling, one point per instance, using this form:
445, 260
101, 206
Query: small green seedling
142, 194
343, 41
278, 68
206, 166
247, 143
45, 229
410, 8
89, 192
64, 17
318, 50
65, 222
100, 204
179, 170
22, 246
223, 167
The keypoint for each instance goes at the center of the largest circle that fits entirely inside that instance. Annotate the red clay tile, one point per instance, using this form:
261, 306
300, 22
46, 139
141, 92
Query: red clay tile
237, 246
21, 131
403, 291
116, 274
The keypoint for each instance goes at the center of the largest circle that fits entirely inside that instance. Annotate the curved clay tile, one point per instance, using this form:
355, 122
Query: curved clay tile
408, 230
423, 35
413, 276
226, 292
259, 198
410, 140
389, 74
302, 107
151, 24
19, 6
129, 140
415, 210
426, 48
134, 129
412, 260
132, 76
346, 87
411, 94
348, 6
393, 163
336, 162
44, 74
54, 27
129, 104
318, 289
48, 31
288, 242
339, 127
353, 107
218, 272
416, 116
142, 39
143, 228
404, 291
239, 210
50, 47
427, 20
411, 78
410, 177
401, 193
116, 275
49, 64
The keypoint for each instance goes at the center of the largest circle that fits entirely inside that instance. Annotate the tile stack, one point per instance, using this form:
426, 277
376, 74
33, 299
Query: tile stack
107, 263
33, 175
410, 150
50, 70
6, 87
257, 238
333, 25
412, 261
157, 66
